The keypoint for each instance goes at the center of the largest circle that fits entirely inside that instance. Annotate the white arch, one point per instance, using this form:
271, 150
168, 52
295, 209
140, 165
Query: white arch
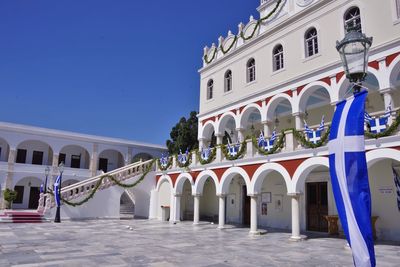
36, 140
180, 181
344, 83
376, 155
201, 179
273, 103
224, 118
304, 169
244, 115
228, 176
164, 178
206, 129
263, 171
309, 90
393, 69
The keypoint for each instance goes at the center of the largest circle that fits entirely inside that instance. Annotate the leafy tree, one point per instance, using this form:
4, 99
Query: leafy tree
184, 134
9, 197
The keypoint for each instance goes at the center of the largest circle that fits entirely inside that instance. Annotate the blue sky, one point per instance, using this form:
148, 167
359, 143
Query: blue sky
117, 68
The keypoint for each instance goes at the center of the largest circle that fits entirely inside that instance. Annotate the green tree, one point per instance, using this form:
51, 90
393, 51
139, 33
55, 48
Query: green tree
184, 134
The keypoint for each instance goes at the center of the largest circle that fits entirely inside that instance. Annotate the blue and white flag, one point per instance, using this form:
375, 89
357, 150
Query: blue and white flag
182, 158
314, 136
268, 144
261, 139
56, 191
378, 124
205, 153
397, 183
233, 149
164, 160
349, 175
41, 188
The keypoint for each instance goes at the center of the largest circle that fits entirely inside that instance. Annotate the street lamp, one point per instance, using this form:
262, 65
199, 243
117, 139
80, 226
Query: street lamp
46, 173
57, 219
354, 52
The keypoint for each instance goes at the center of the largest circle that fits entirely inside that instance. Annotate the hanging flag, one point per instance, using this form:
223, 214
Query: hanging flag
41, 188
56, 191
261, 139
269, 143
205, 153
396, 178
349, 175
164, 160
314, 136
378, 124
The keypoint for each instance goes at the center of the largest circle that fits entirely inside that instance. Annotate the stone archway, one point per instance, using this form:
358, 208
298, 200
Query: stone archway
28, 193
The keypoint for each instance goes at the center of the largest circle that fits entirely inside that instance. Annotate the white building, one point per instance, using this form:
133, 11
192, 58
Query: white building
26, 151
275, 73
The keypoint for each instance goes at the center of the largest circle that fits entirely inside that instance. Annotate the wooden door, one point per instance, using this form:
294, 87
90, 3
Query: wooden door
34, 196
317, 206
246, 207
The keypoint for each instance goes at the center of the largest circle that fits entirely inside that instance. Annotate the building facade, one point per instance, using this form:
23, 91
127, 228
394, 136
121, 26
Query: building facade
273, 75
26, 151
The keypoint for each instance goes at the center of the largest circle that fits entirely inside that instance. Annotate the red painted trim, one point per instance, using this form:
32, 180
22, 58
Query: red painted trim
267, 100
158, 178
219, 116
208, 119
174, 176
300, 88
194, 175
289, 92
339, 76
374, 64
389, 59
219, 172
259, 102
251, 169
326, 80
291, 165
241, 109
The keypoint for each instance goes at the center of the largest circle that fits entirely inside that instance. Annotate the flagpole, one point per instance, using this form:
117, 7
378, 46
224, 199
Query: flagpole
57, 219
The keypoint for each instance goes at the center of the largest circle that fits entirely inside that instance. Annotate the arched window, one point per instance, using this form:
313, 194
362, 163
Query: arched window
278, 57
210, 88
311, 42
251, 70
352, 19
228, 80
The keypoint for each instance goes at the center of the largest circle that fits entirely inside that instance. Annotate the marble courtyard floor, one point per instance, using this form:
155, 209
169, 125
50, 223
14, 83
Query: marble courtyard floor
153, 243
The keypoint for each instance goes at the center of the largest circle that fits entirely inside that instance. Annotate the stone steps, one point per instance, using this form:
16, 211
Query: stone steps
15, 216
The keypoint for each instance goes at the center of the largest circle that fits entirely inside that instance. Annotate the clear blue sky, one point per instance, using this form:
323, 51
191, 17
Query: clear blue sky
118, 68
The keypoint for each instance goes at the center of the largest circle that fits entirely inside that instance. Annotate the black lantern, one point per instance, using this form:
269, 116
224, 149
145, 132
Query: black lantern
354, 52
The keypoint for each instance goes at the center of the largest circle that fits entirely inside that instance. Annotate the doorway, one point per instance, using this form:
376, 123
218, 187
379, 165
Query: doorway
317, 206
246, 207
34, 196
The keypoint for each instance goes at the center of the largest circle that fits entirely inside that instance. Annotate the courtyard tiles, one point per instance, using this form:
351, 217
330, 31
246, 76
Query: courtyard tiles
154, 243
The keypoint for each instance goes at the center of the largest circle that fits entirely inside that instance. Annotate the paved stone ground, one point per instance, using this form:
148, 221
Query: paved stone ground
153, 243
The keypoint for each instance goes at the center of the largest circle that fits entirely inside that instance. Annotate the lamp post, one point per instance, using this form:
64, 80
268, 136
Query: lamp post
57, 219
354, 53
46, 173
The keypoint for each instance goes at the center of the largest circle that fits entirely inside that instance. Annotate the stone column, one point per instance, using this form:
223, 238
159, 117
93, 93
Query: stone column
219, 150
128, 156
221, 212
94, 160
267, 128
241, 136
176, 212
298, 120
12, 156
201, 143
196, 209
295, 217
253, 215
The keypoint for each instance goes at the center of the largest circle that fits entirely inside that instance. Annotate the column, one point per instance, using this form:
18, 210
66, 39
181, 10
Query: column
55, 160
94, 160
221, 212
176, 212
241, 136
128, 156
196, 209
253, 215
9, 175
219, 149
295, 217
298, 120
267, 128
201, 143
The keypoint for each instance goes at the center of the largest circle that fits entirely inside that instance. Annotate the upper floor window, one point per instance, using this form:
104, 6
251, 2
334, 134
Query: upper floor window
228, 80
311, 42
278, 57
210, 88
398, 8
352, 19
251, 70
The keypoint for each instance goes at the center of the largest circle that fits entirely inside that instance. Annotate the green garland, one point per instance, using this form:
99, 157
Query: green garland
240, 153
278, 145
98, 184
389, 131
169, 163
304, 142
187, 163
258, 23
210, 159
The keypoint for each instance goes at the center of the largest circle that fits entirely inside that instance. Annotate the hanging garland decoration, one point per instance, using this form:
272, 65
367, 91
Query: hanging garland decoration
258, 23
305, 143
389, 131
187, 163
166, 167
240, 153
210, 159
98, 184
278, 145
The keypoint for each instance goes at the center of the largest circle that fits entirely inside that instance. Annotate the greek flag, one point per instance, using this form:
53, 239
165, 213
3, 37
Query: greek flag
182, 158
41, 188
397, 183
349, 175
233, 149
261, 139
205, 153
56, 191
164, 159
314, 135
378, 124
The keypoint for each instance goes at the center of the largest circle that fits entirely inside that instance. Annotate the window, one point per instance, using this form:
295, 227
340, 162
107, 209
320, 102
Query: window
228, 80
20, 194
61, 158
352, 19
75, 161
251, 70
103, 164
278, 57
398, 8
37, 157
210, 87
21, 156
311, 42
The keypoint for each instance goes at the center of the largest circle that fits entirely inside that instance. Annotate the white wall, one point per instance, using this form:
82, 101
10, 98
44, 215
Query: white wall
164, 197
31, 146
234, 201
209, 200
76, 150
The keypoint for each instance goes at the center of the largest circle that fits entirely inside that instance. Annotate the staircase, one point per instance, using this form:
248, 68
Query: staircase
84, 188
19, 216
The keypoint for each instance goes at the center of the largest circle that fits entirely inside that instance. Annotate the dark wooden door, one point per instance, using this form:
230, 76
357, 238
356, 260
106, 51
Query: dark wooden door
246, 207
103, 164
34, 196
317, 206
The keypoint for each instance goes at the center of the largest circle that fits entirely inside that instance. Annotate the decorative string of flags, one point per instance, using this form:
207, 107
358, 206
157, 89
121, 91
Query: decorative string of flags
164, 160
233, 149
377, 124
266, 144
314, 136
396, 178
205, 153
183, 158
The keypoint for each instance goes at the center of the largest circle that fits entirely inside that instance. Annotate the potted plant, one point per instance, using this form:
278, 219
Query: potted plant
9, 197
